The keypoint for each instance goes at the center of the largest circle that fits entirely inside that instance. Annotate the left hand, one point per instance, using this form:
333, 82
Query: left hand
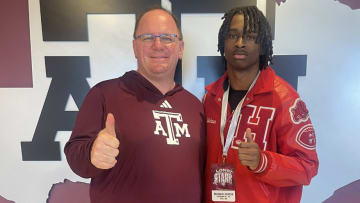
249, 152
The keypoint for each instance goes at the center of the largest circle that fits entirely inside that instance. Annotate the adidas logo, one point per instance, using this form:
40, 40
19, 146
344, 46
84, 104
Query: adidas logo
166, 105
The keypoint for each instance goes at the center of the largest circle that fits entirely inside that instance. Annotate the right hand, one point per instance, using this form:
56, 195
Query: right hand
105, 147
249, 151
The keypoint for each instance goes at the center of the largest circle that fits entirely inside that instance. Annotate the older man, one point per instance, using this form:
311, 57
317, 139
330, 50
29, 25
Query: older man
140, 137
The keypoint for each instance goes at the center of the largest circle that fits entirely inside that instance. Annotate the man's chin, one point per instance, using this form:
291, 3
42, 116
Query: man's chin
159, 69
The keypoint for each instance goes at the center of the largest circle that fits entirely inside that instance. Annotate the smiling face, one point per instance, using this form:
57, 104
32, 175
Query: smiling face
157, 60
241, 52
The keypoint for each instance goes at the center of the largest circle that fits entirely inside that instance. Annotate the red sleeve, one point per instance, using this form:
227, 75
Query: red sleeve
295, 161
89, 121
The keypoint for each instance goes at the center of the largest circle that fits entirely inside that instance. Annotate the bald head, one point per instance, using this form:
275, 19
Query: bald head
160, 13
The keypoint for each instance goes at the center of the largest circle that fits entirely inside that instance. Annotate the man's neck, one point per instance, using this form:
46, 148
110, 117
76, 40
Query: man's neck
241, 79
163, 84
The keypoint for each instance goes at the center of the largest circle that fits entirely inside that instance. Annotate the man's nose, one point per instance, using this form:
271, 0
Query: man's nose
240, 42
157, 44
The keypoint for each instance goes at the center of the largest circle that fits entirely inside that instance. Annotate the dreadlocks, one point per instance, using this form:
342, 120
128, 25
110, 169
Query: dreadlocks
254, 22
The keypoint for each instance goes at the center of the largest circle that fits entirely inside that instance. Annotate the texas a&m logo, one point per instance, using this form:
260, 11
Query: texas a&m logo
175, 127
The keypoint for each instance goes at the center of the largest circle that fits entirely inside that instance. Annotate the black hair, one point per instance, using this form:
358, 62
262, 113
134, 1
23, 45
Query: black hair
254, 22
157, 7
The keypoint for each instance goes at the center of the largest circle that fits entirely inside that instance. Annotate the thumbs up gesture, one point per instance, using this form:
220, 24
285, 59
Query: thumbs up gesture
249, 152
105, 147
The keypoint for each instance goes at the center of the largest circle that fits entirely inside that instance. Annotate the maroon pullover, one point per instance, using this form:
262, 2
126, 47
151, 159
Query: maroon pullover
162, 143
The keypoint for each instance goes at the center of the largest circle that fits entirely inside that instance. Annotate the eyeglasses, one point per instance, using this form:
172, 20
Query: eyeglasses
246, 38
164, 38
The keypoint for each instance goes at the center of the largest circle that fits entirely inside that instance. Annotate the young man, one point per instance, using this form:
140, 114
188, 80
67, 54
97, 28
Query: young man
260, 140
140, 137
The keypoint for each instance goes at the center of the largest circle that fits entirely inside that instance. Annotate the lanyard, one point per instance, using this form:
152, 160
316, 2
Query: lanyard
234, 120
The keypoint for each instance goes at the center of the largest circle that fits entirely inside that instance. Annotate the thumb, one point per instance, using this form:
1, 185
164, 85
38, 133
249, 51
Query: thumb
110, 124
249, 137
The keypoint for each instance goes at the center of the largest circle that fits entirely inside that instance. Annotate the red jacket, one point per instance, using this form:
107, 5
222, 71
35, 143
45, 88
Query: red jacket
283, 131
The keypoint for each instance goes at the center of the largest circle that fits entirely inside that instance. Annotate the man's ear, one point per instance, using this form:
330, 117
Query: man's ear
181, 49
135, 49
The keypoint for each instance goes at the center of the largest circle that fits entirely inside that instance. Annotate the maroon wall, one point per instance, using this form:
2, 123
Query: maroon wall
15, 57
